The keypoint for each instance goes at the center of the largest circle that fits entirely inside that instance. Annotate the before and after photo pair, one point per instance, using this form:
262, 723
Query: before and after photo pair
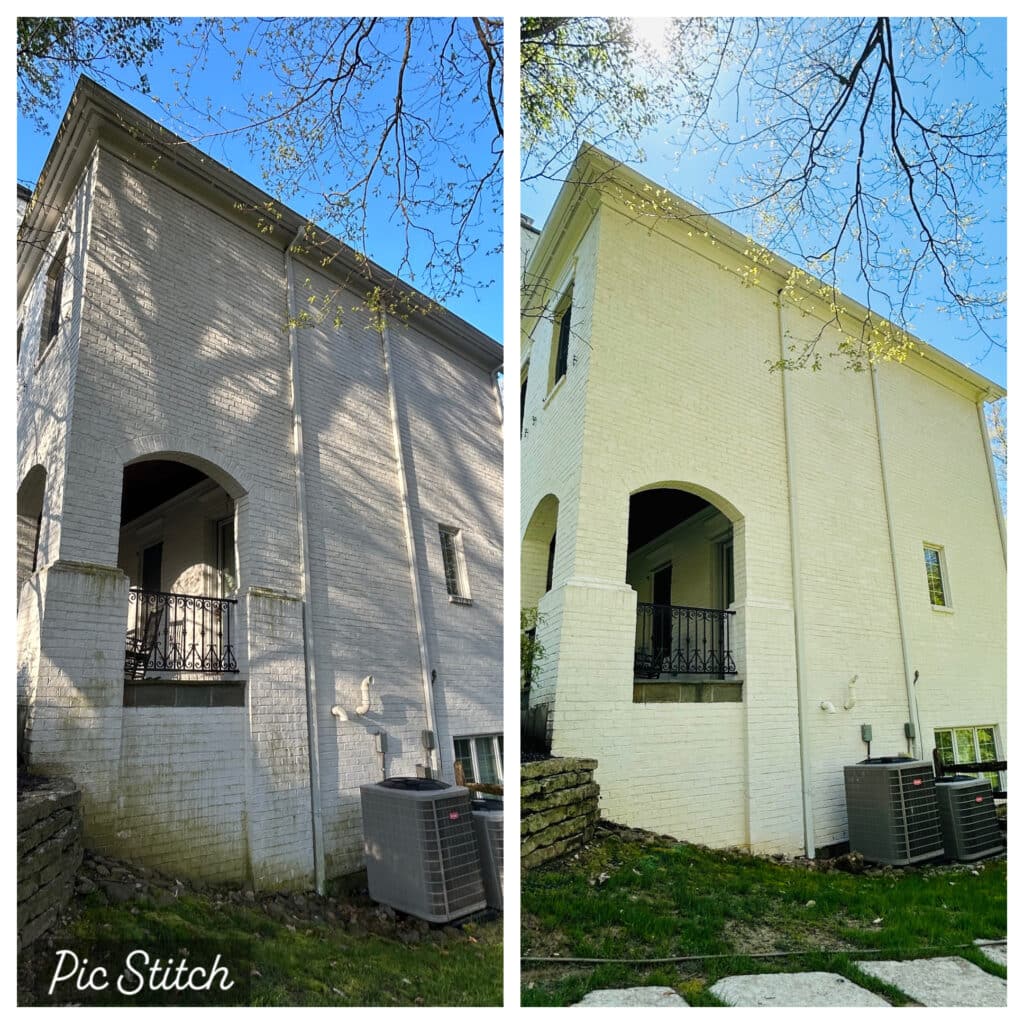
597, 420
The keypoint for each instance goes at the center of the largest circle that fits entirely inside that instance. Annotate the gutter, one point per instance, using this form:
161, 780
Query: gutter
312, 707
908, 674
410, 550
996, 501
801, 657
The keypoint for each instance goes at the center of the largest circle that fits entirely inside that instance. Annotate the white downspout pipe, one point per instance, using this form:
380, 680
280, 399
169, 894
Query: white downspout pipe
908, 672
996, 501
798, 636
308, 647
410, 548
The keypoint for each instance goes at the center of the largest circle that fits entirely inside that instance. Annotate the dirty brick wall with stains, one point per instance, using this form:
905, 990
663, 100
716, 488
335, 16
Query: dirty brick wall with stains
173, 345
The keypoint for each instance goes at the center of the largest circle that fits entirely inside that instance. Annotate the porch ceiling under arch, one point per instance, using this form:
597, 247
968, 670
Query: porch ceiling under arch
654, 512
151, 482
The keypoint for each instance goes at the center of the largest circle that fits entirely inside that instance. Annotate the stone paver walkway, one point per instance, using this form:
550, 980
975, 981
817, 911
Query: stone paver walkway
811, 988
936, 981
644, 996
997, 954
940, 981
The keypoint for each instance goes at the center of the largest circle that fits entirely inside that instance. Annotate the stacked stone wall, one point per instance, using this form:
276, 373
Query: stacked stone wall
49, 854
559, 807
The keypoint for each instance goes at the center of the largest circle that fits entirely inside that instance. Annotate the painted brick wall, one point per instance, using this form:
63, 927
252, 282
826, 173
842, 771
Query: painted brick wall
678, 392
184, 351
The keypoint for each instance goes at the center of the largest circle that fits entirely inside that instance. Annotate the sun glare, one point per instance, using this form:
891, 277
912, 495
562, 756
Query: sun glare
653, 32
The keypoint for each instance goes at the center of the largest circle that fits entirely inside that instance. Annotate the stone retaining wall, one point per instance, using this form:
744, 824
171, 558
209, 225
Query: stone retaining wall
49, 853
558, 801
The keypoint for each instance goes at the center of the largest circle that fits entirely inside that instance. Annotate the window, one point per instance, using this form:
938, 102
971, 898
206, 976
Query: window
455, 577
522, 398
54, 298
965, 744
563, 328
227, 570
549, 579
935, 569
481, 758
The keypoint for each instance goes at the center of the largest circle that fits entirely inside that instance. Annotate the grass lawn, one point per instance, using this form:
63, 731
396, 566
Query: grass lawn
633, 895
279, 963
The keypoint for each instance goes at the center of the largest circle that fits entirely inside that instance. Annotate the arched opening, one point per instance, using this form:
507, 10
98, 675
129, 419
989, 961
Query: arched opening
537, 560
178, 547
537, 576
682, 563
31, 494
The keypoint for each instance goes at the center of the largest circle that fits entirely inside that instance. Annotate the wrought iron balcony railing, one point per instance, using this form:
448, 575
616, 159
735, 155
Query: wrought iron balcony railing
676, 640
178, 633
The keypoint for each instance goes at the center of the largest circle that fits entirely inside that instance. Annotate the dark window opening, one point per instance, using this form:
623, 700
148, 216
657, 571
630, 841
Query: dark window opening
54, 297
551, 562
562, 355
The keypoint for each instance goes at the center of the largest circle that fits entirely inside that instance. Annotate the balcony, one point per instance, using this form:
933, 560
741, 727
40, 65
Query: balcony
178, 633
674, 640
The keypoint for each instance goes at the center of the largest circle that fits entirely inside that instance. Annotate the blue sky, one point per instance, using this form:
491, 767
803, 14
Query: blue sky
700, 179
483, 309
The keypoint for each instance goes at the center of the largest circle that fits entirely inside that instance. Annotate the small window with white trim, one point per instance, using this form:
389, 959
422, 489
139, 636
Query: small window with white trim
481, 758
970, 744
938, 579
455, 577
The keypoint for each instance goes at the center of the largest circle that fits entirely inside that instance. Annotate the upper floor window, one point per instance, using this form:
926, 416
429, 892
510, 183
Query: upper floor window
935, 570
522, 398
455, 577
563, 328
54, 298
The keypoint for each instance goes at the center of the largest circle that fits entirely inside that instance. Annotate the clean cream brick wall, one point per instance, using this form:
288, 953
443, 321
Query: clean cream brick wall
941, 495
552, 439
677, 391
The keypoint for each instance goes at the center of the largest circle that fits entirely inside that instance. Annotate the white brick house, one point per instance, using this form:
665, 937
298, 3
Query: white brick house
265, 514
736, 569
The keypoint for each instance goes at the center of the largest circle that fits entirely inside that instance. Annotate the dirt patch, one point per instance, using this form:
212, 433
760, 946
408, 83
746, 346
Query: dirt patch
539, 940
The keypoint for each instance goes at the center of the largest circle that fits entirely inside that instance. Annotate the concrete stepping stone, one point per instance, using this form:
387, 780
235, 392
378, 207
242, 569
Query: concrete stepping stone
648, 995
810, 988
997, 953
940, 981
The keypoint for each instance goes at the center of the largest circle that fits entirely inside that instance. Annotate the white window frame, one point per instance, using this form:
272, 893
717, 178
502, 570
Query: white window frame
496, 745
947, 594
461, 576
951, 729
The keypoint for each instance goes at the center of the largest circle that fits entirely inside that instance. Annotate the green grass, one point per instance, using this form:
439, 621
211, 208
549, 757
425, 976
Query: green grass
631, 897
280, 964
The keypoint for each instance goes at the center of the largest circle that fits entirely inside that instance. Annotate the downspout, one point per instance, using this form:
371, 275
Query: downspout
996, 501
908, 673
308, 647
410, 548
794, 550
